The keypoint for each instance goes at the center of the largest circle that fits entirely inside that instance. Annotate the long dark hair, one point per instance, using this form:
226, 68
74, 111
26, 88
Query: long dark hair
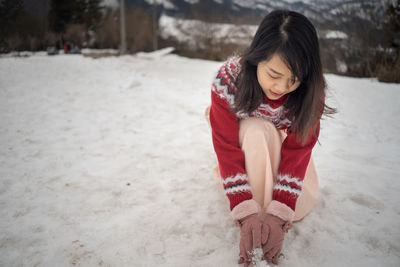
293, 37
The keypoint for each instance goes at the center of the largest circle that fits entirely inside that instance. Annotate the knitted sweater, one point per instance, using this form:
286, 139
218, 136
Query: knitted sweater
225, 134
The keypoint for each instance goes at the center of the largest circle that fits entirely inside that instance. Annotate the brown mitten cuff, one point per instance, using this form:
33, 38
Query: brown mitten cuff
280, 210
245, 209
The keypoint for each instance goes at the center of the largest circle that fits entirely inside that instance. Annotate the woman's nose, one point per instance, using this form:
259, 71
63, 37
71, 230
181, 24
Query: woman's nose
281, 87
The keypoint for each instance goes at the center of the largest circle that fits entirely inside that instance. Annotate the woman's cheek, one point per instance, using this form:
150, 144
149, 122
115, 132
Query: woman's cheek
267, 84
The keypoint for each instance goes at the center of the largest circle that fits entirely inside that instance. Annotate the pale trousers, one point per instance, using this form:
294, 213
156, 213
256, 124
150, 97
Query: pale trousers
261, 143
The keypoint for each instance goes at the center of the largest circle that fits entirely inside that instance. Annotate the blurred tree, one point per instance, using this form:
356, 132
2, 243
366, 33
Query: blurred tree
93, 13
139, 33
61, 13
77, 12
9, 12
92, 17
358, 51
68, 14
392, 25
389, 67
107, 33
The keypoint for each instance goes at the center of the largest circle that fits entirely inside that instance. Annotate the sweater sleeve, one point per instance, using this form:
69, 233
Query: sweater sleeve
293, 165
225, 137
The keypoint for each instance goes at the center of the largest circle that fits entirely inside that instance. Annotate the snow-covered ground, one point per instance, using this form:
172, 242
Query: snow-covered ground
194, 32
108, 162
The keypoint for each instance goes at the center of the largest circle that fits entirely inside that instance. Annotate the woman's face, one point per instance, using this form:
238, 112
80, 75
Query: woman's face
275, 78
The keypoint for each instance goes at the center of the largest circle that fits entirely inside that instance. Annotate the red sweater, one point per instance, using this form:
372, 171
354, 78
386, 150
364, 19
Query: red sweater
225, 134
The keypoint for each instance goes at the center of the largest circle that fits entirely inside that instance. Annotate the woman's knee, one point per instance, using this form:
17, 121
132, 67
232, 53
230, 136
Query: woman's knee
255, 129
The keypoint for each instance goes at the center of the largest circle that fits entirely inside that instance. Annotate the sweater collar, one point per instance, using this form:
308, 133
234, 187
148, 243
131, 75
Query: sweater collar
275, 102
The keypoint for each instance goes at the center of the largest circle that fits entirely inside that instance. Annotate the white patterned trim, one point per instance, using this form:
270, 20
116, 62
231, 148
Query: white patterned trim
285, 122
222, 91
233, 72
289, 179
269, 109
238, 188
259, 114
287, 189
229, 75
234, 179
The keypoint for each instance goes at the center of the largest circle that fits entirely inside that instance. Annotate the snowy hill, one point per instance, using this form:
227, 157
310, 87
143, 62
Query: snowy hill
328, 12
108, 162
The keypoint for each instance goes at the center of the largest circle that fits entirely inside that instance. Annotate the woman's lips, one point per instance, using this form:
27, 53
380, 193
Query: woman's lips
274, 94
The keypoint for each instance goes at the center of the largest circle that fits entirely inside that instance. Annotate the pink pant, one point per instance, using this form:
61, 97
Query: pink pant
261, 143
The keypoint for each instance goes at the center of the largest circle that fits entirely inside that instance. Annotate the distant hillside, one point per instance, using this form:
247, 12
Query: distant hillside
321, 12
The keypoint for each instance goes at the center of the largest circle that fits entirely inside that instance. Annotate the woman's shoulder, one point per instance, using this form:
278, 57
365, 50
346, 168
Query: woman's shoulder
231, 68
224, 83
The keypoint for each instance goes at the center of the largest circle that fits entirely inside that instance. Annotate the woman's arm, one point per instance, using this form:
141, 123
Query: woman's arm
293, 165
225, 136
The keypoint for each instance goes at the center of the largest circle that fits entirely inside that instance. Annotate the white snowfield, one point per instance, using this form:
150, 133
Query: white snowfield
194, 32
108, 162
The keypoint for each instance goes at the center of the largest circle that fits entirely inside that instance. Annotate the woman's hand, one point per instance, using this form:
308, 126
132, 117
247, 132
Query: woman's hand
250, 238
273, 233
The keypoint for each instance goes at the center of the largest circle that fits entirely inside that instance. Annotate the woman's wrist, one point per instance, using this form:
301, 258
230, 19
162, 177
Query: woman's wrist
280, 210
245, 209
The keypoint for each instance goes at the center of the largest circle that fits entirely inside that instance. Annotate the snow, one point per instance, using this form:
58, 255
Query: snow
156, 54
88, 51
192, 1
111, 3
195, 31
249, 3
167, 4
109, 162
263, 5
335, 35
341, 66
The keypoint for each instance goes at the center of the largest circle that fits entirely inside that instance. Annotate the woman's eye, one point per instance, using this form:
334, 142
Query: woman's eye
272, 76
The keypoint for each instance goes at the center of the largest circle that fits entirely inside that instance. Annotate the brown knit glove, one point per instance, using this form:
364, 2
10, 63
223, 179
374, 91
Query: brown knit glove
250, 238
272, 233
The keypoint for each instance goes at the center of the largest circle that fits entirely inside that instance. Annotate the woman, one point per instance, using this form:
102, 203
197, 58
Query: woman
265, 117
